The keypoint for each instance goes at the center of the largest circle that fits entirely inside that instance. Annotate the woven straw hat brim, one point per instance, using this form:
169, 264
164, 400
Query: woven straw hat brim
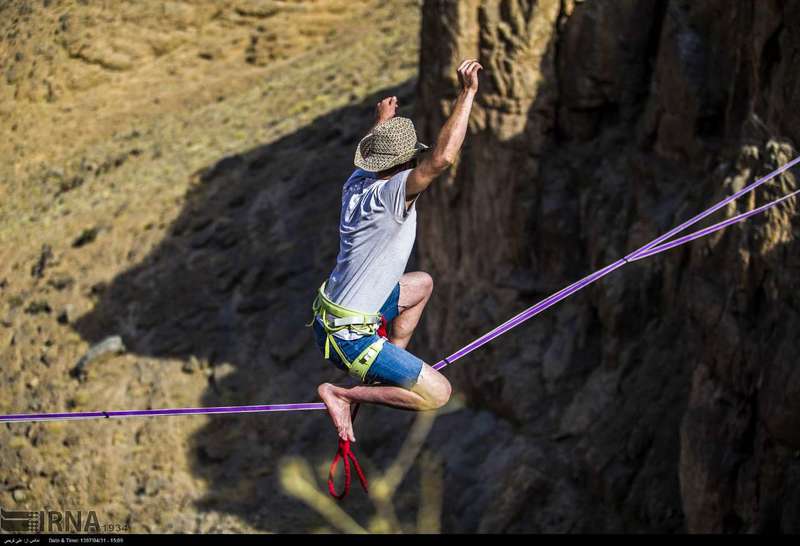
377, 163
395, 132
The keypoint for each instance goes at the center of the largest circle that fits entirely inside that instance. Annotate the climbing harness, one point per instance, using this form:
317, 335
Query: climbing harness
339, 318
336, 318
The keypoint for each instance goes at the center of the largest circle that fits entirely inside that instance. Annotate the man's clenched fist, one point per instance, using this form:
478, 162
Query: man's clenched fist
385, 109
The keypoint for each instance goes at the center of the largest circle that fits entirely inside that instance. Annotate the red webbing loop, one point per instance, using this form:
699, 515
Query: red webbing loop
346, 454
382, 328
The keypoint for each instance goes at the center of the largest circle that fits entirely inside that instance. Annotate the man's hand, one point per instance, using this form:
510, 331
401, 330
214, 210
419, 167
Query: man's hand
468, 75
385, 109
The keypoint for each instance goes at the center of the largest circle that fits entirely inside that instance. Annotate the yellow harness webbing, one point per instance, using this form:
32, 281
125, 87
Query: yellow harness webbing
336, 318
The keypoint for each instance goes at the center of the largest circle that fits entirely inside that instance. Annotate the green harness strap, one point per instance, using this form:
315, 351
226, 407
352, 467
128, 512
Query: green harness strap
336, 318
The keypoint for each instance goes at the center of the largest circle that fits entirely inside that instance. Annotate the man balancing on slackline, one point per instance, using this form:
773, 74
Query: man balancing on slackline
368, 287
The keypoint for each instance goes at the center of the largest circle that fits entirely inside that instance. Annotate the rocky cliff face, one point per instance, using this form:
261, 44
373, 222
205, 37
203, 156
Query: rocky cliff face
664, 397
176, 173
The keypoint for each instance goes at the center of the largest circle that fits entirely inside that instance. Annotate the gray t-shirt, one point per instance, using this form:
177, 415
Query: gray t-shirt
376, 235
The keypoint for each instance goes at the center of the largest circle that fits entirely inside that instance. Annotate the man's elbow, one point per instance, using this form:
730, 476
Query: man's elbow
442, 162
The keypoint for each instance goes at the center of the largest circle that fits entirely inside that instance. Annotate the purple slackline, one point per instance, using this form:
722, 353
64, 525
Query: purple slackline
655, 246
30, 417
710, 229
651, 246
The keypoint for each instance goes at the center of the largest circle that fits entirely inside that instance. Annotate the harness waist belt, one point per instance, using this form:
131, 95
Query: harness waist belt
336, 318
355, 319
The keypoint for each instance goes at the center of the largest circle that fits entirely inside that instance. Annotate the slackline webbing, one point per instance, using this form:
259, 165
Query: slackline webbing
656, 246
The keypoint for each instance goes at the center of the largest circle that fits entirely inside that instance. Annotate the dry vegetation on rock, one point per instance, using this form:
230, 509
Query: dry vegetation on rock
151, 153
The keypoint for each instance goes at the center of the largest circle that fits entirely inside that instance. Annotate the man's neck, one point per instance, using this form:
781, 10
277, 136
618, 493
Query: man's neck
390, 174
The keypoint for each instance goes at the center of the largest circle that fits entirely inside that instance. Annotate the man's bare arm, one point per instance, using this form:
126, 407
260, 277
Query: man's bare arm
451, 136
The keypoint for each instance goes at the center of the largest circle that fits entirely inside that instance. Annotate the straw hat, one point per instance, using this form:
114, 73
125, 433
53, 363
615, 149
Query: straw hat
390, 143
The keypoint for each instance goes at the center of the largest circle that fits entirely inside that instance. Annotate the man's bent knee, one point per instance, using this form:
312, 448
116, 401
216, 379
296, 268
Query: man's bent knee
418, 286
427, 283
441, 394
434, 388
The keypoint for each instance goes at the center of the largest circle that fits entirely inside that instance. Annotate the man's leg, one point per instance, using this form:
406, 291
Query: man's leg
415, 291
431, 391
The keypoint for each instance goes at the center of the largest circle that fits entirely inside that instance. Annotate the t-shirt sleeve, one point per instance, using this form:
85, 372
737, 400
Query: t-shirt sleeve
393, 195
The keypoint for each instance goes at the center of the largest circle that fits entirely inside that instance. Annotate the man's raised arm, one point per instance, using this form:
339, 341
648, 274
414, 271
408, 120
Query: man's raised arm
451, 137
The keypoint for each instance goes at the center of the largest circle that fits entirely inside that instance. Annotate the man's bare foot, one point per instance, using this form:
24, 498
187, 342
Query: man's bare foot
338, 409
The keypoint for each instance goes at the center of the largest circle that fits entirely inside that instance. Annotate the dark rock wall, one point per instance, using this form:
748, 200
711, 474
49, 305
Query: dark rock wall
664, 397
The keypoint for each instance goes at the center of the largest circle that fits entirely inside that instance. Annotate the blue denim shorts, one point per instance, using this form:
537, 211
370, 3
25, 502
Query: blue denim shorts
393, 366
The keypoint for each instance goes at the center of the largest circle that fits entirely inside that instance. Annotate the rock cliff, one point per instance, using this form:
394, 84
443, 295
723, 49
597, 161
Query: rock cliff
665, 396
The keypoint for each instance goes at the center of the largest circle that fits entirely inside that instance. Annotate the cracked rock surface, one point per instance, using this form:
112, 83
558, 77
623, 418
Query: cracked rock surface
664, 397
